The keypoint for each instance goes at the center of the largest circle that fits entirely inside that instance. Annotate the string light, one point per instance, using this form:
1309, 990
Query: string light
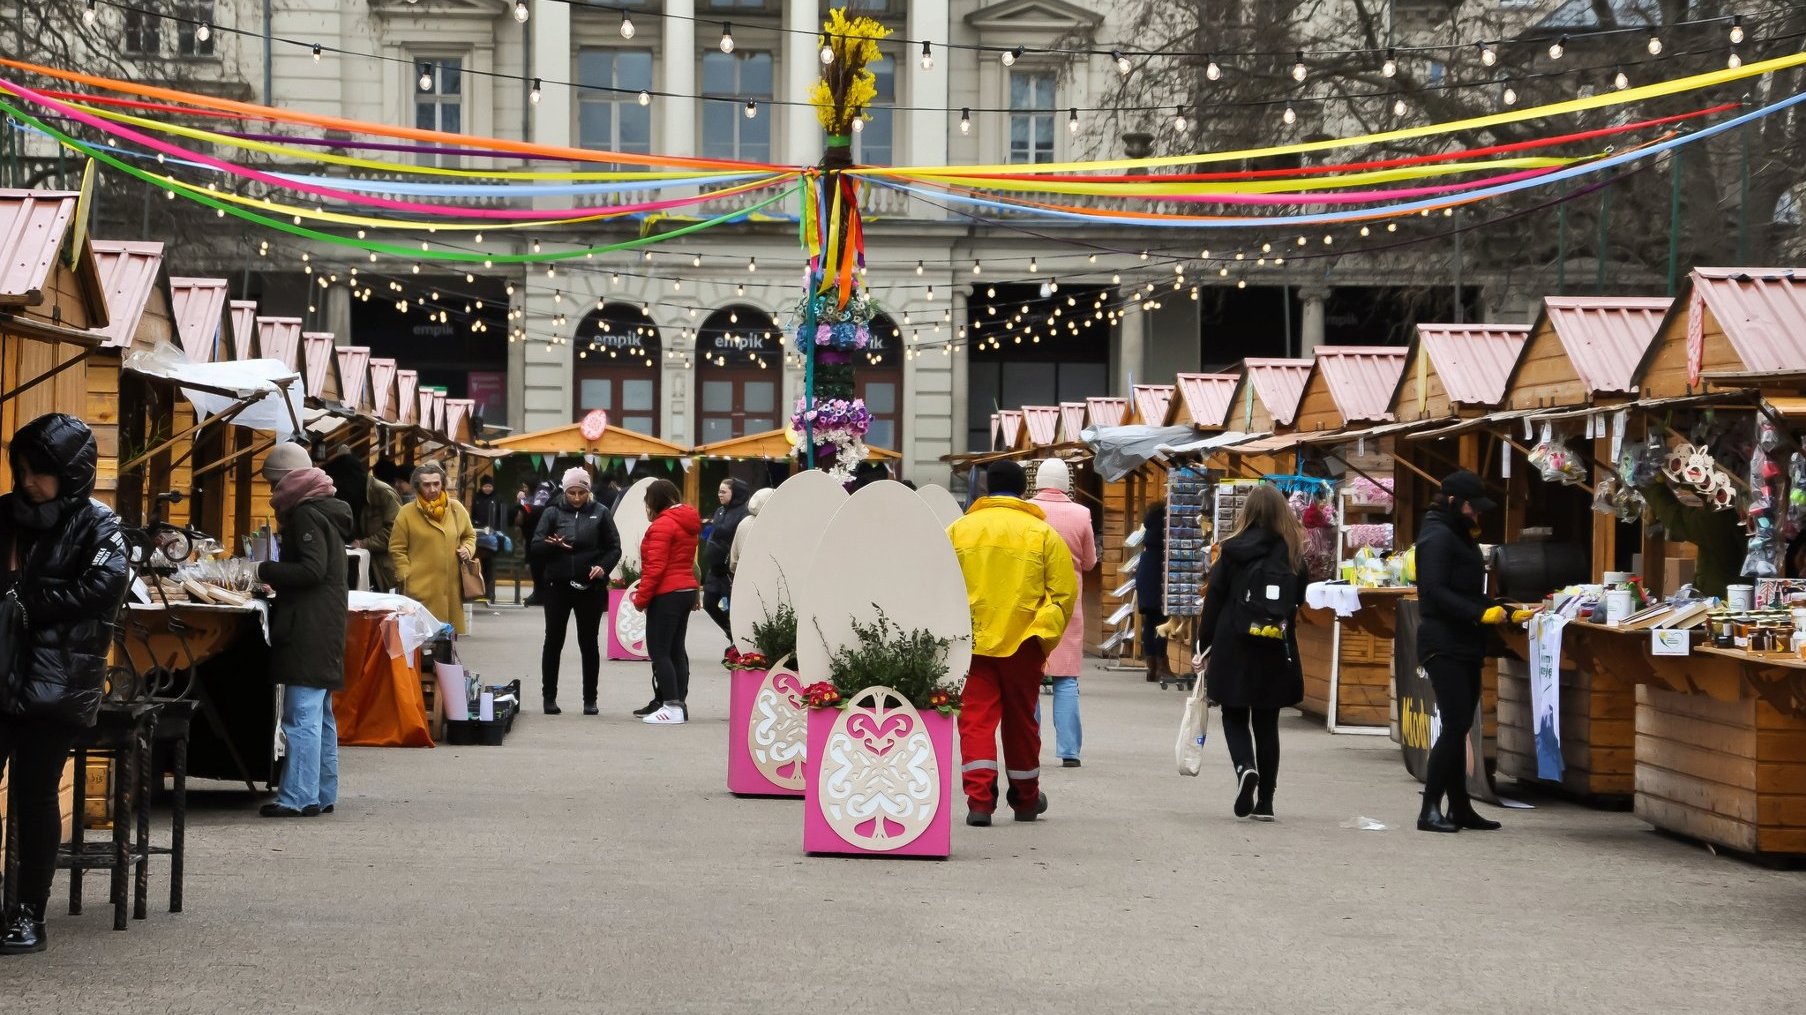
89, 13
977, 269
1010, 56
965, 121
316, 52
1398, 105
1621, 80
203, 32
1511, 96
426, 77
1211, 70
1298, 71
752, 109
752, 264
1558, 48
645, 97
1655, 44
927, 55
1180, 124
533, 93
1390, 67
1290, 115
1736, 28
1488, 55
827, 52
1735, 61
627, 29
1123, 66
727, 37
1072, 121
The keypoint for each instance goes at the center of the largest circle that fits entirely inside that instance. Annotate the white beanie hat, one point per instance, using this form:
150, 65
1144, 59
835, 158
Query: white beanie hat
575, 476
1053, 475
285, 458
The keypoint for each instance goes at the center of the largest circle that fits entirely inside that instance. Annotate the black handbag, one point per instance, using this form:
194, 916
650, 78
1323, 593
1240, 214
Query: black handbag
15, 626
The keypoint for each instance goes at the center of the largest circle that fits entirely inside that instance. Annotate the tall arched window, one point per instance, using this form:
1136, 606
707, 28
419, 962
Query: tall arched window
617, 367
739, 374
878, 379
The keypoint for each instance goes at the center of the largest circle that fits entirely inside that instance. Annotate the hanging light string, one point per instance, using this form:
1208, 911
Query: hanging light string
1114, 53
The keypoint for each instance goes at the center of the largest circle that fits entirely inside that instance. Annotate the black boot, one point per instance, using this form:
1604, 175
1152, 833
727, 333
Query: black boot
552, 707
23, 933
1430, 818
1464, 816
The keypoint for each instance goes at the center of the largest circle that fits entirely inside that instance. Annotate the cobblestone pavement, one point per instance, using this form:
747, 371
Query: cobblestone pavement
597, 864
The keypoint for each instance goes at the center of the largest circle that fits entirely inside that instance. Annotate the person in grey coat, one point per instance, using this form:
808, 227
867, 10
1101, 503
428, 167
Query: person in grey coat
307, 627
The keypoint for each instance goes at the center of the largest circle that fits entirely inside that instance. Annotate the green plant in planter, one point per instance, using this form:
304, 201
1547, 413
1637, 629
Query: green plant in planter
629, 575
914, 663
775, 635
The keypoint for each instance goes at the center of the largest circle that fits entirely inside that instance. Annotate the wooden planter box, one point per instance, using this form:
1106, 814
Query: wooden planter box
767, 732
880, 779
626, 627
1732, 773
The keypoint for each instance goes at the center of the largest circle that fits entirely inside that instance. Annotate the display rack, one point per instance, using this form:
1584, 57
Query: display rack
1189, 524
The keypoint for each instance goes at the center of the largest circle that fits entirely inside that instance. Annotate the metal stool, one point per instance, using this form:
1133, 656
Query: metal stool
123, 733
172, 732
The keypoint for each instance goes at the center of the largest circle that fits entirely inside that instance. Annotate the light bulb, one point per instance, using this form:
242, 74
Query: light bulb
918, 267
1033, 266
1290, 115
426, 77
1736, 28
89, 14
1212, 71
1011, 56
316, 52
727, 37
203, 32
827, 52
627, 29
858, 124
1390, 67
1558, 48
1621, 80
533, 93
977, 269
1123, 66
1488, 55
927, 55
1072, 121
965, 121
1735, 61
520, 11
1179, 122
1398, 106
1298, 71
645, 97
752, 109
1655, 44
1511, 96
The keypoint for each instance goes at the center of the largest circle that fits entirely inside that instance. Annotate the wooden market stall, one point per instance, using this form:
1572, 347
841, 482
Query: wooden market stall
140, 313
1265, 403
772, 446
615, 442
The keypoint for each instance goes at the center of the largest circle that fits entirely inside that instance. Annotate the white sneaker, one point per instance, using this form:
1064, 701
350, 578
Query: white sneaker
669, 714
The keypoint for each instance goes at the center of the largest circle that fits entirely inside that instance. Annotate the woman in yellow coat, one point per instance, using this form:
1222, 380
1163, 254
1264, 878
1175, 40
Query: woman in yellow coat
432, 535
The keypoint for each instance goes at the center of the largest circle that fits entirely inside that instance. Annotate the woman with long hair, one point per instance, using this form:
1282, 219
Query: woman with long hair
1247, 627
667, 595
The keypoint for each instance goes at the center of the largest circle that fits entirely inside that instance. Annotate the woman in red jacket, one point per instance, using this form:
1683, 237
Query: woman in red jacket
667, 595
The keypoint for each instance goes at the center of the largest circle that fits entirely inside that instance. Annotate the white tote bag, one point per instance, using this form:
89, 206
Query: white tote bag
1194, 728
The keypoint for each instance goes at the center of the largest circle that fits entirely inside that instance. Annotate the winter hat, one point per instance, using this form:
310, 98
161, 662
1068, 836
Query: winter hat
577, 476
285, 458
1053, 475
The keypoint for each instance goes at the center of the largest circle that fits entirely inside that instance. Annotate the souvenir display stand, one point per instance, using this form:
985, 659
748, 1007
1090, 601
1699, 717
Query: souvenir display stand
767, 723
881, 773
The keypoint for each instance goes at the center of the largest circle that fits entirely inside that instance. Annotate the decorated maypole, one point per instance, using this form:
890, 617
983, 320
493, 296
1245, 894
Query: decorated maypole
835, 314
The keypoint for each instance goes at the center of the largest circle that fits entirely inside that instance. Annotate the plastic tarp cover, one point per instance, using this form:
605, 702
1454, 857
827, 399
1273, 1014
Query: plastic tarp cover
1120, 450
418, 625
274, 409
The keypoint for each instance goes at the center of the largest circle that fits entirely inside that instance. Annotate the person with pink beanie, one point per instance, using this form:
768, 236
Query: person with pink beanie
577, 545
1053, 486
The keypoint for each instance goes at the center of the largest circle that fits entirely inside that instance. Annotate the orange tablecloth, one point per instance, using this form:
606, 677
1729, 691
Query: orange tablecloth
381, 705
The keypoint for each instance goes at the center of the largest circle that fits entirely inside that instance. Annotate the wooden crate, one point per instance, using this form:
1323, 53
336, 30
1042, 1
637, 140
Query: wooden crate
1732, 773
1598, 713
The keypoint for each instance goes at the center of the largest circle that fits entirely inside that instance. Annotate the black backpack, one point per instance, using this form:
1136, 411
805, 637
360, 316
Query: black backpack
1265, 596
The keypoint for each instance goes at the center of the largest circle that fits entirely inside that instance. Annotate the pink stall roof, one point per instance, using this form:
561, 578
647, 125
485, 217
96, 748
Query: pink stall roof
437, 424
244, 329
319, 361
1762, 312
354, 374
129, 274
1279, 384
407, 396
1152, 402
279, 338
1606, 337
1072, 420
1106, 411
1474, 361
1043, 422
1206, 397
457, 417
424, 419
996, 429
1009, 426
1362, 379
382, 389
33, 225
199, 304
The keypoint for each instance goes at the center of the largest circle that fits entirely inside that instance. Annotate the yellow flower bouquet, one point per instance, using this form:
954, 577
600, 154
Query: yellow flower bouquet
846, 86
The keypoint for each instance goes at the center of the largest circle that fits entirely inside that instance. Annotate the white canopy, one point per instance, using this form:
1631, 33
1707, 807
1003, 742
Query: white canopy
274, 391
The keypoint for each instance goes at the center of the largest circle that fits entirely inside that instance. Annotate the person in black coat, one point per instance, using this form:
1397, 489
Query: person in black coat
717, 578
1451, 641
487, 516
308, 617
528, 515
1150, 592
66, 566
1254, 675
577, 546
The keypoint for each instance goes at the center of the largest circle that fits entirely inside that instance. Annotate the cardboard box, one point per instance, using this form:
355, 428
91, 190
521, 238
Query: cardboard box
1676, 571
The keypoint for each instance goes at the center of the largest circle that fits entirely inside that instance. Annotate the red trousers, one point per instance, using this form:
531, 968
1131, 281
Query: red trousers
1006, 690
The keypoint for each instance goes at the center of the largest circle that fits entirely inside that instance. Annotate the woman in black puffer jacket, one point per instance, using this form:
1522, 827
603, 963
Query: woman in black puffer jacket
578, 547
63, 559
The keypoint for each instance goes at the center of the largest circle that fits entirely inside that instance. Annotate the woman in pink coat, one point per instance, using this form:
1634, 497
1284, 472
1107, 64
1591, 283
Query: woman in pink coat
1073, 523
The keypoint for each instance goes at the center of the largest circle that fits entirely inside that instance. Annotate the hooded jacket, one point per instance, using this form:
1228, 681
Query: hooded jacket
1247, 672
1150, 570
308, 615
722, 528
594, 542
668, 554
1451, 588
1019, 578
72, 577
753, 505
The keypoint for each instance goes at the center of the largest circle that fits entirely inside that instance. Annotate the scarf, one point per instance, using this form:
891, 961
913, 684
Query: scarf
435, 508
298, 487
37, 517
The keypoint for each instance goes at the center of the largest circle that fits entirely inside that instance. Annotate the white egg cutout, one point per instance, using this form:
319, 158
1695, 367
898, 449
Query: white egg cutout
941, 501
780, 549
631, 522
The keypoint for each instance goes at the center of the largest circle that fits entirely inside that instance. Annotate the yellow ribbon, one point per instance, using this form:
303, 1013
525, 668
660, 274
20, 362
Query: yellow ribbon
1069, 185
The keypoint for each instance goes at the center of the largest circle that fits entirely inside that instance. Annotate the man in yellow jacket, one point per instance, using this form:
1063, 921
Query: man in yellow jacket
1021, 587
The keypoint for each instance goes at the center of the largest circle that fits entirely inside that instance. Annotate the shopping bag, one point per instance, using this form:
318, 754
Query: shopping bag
1188, 750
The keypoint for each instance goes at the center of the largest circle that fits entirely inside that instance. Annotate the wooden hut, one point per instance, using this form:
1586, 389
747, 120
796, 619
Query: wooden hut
140, 313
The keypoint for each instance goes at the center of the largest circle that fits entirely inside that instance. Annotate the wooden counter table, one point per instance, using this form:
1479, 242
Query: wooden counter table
1600, 670
1348, 660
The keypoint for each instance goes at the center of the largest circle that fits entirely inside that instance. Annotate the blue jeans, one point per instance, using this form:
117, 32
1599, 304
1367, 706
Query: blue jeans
310, 776
1069, 736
